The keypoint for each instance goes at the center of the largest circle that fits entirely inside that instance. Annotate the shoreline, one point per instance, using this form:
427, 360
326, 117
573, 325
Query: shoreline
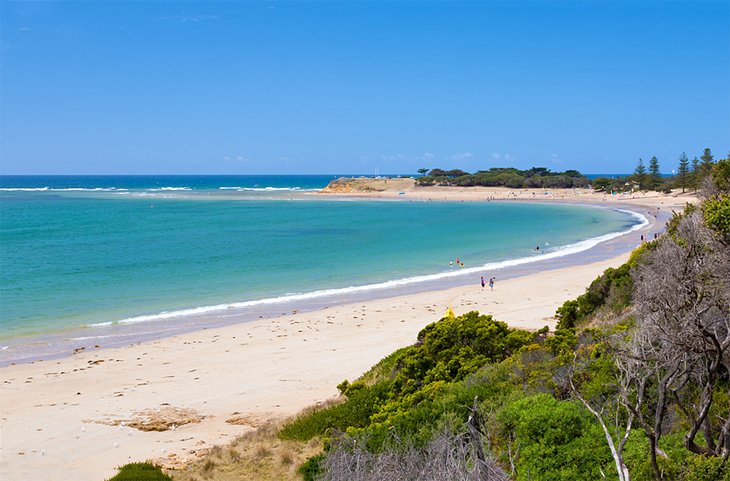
59, 343
59, 415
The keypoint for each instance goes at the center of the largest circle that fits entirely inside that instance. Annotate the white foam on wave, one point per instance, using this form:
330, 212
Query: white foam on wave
569, 249
171, 188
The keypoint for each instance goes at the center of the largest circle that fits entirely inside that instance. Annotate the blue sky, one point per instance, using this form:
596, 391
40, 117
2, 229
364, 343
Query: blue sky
357, 87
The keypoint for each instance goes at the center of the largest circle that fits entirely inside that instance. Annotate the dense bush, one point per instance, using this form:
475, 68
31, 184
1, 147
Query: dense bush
702, 468
537, 177
355, 412
452, 348
610, 292
401, 389
555, 440
140, 472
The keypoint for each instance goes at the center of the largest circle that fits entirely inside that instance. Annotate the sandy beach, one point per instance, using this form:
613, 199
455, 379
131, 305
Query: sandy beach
70, 418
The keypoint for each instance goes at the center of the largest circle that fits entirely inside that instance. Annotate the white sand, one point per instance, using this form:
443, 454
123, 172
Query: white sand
51, 410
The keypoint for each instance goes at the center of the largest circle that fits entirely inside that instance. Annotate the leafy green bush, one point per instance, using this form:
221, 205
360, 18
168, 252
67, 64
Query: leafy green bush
716, 213
355, 412
558, 440
411, 385
140, 472
452, 348
703, 468
312, 468
611, 290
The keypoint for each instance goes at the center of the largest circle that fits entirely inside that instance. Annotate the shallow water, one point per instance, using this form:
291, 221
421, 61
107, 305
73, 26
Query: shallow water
147, 254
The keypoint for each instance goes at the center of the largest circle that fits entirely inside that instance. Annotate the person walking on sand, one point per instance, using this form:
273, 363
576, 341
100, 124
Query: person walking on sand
491, 283
482, 282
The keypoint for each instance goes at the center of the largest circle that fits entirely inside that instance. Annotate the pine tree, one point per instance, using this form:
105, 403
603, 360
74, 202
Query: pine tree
640, 174
683, 171
707, 161
655, 178
696, 176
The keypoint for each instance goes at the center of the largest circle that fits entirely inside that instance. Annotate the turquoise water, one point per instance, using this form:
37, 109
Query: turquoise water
73, 258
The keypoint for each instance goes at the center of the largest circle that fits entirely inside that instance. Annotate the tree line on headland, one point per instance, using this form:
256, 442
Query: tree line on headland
688, 175
536, 177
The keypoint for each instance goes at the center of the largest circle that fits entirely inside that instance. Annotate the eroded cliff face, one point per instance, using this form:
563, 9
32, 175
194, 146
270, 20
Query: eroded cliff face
345, 185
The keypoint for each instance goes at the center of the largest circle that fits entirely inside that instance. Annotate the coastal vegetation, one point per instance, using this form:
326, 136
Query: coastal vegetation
140, 472
536, 177
688, 175
632, 384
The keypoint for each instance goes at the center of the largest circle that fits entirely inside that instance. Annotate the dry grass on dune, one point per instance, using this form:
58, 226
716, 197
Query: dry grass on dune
256, 456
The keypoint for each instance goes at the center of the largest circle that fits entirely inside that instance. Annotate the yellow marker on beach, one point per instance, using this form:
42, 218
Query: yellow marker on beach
450, 313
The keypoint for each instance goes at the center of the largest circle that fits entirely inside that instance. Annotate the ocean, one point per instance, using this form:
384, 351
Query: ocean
81, 254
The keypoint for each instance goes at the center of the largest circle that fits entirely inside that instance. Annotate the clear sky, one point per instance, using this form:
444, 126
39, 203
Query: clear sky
134, 87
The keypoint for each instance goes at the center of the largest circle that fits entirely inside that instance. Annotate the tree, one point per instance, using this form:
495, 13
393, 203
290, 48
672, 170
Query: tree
602, 184
615, 445
640, 174
696, 174
448, 455
455, 173
682, 302
422, 171
707, 161
683, 171
655, 178
646, 375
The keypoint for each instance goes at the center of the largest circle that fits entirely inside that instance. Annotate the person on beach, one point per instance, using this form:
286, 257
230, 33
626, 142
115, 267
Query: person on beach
451, 263
491, 283
482, 282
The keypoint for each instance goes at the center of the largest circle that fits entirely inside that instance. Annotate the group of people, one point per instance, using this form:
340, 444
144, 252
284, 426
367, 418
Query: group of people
458, 263
646, 238
491, 282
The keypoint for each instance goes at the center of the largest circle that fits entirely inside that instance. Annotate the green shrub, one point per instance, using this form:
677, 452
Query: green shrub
558, 440
452, 348
716, 213
704, 468
354, 412
140, 472
312, 468
611, 290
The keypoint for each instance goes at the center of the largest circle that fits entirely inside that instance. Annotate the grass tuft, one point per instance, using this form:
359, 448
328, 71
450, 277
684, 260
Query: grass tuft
140, 472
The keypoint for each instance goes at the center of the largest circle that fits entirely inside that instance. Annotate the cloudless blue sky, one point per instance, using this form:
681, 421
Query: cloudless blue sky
136, 87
